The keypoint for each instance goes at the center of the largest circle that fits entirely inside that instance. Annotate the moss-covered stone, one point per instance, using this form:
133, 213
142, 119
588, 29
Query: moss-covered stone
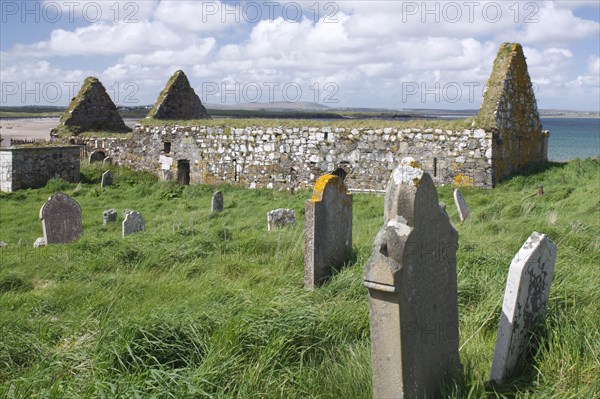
91, 110
178, 101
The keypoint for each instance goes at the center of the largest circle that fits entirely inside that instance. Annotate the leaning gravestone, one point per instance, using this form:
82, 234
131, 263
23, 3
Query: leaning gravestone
96, 156
280, 218
525, 302
107, 161
461, 205
61, 219
107, 179
328, 230
109, 216
411, 277
217, 202
133, 223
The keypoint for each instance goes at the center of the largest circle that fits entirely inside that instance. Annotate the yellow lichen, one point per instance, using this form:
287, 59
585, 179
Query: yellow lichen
461, 180
320, 187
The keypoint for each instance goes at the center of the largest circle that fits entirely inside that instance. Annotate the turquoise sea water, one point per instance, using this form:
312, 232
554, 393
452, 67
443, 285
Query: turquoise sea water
572, 138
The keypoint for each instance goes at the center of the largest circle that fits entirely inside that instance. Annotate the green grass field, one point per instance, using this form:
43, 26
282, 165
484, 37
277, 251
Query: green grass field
213, 306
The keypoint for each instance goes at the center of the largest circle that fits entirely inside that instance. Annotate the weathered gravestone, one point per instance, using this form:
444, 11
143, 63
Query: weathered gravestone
96, 156
108, 161
280, 218
411, 277
461, 205
525, 302
107, 179
133, 222
61, 219
109, 216
217, 202
327, 230
39, 242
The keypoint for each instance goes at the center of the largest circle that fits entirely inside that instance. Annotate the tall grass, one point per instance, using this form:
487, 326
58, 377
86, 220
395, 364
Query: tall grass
211, 305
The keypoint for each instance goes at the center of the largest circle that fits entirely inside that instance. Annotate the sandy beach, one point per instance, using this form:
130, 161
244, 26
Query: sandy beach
33, 128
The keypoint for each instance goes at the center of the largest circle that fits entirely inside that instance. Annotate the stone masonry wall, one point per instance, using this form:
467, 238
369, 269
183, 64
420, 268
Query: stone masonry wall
285, 157
32, 167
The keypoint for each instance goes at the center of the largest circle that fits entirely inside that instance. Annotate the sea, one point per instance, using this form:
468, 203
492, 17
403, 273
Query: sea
572, 138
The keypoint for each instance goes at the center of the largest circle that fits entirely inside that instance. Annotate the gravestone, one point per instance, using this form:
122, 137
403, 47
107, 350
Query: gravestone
107, 179
61, 219
217, 202
108, 161
133, 222
109, 216
40, 242
461, 205
328, 230
411, 277
525, 301
96, 156
280, 218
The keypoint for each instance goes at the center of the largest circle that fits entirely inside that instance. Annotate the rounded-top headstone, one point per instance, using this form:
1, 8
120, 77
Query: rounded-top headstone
61, 219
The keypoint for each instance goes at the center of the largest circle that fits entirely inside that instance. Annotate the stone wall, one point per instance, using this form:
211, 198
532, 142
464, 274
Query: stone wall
284, 157
32, 167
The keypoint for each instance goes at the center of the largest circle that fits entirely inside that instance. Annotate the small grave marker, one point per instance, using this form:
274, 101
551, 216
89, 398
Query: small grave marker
97, 156
109, 216
461, 205
61, 219
279, 218
133, 223
107, 179
217, 202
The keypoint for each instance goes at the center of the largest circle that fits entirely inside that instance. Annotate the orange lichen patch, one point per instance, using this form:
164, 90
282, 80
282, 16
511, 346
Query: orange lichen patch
461, 180
416, 181
320, 187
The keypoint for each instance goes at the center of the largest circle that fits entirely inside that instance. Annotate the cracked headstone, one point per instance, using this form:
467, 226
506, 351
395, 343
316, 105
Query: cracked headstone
461, 205
61, 219
413, 297
133, 223
107, 179
217, 202
279, 218
178, 101
108, 216
328, 230
525, 302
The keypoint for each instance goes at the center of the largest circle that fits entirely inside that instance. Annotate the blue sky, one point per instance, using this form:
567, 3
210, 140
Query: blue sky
386, 54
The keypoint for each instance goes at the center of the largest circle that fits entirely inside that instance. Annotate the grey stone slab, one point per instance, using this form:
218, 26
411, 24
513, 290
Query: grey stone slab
61, 219
108, 161
328, 230
217, 202
279, 218
107, 179
413, 297
108, 216
97, 156
461, 205
40, 242
133, 223
525, 302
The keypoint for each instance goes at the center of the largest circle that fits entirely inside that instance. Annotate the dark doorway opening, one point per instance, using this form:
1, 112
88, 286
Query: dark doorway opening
166, 147
183, 172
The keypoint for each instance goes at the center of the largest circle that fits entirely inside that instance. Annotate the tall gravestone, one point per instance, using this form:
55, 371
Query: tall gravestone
61, 219
461, 205
133, 223
327, 230
525, 301
107, 179
411, 277
217, 202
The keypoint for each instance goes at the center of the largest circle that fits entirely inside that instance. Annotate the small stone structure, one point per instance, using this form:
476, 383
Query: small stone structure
39, 242
411, 277
327, 230
61, 219
97, 156
461, 205
108, 216
107, 179
178, 101
32, 167
133, 223
525, 302
216, 204
279, 218
91, 110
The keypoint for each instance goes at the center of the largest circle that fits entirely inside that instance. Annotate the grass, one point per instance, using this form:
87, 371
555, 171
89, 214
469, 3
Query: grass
205, 305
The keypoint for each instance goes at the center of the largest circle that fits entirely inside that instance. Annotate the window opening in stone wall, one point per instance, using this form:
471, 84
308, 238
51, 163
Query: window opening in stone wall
166, 147
434, 167
236, 171
183, 172
326, 135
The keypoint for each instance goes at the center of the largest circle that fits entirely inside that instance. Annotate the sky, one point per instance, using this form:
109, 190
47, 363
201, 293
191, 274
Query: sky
371, 54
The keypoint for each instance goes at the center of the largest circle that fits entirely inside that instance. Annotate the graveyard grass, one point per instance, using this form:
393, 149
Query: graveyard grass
211, 305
